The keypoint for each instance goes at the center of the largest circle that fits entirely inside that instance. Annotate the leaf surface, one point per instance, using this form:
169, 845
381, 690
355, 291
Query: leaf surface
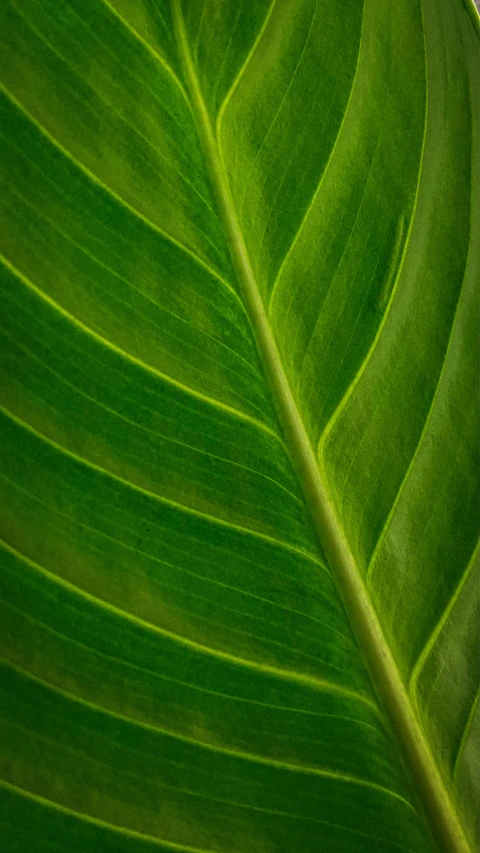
239, 410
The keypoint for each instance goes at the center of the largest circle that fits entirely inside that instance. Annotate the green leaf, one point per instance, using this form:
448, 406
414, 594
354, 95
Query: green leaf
239, 254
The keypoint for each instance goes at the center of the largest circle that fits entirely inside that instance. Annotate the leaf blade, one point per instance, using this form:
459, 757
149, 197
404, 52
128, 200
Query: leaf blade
169, 547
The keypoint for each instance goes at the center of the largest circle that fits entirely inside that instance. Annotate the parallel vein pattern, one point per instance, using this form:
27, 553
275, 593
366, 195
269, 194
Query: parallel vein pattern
178, 670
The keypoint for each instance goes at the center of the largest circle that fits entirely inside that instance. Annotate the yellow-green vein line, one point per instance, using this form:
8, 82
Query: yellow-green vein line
211, 401
430, 644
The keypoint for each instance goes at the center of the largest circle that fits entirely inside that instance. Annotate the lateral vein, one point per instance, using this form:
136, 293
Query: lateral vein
312, 682
466, 730
112, 827
255, 758
430, 644
110, 192
212, 401
104, 472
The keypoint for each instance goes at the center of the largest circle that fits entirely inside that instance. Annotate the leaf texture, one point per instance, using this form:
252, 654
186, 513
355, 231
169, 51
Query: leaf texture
220, 219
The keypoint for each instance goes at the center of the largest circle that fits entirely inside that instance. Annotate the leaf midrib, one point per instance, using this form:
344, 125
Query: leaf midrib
385, 675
